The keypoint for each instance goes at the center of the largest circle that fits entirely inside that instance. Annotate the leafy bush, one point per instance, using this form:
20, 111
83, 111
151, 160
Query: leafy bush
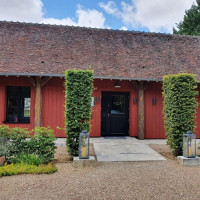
30, 159
78, 84
5, 132
4, 137
3, 150
42, 143
21, 168
179, 92
18, 142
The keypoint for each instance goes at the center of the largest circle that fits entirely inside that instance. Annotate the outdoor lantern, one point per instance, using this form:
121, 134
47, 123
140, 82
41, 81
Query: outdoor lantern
189, 145
154, 101
134, 100
84, 145
97, 99
117, 84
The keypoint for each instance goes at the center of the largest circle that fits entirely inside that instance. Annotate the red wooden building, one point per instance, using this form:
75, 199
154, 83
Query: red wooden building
128, 70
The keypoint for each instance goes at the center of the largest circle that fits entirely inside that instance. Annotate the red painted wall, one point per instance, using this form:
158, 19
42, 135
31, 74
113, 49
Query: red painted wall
154, 122
53, 106
108, 85
53, 101
15, 81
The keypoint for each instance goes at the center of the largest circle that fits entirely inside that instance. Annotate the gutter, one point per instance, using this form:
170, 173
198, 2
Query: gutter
95, 77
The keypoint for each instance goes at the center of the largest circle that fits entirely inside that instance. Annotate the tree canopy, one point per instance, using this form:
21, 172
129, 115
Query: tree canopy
191, 21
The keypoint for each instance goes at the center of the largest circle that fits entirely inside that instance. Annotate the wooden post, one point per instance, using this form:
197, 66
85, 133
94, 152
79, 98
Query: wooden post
141, 110
38, 101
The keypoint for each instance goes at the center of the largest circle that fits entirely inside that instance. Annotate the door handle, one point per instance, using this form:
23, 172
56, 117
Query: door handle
108, 115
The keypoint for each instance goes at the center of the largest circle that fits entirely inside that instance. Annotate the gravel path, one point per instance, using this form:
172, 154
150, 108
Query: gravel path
163, 180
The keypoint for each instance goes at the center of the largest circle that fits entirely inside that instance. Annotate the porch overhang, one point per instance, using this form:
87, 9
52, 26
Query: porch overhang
95, 77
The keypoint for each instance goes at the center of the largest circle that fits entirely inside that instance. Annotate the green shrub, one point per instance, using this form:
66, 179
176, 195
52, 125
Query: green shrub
5, 132
18, 142
3, 150
21, 168
42, 143
4, 137
179, 92
30, 159
78, 86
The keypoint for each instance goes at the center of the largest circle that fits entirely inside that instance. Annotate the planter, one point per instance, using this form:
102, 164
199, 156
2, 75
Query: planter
2, 160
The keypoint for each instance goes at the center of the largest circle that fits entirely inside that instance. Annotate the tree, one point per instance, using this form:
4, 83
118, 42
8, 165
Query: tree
191, 21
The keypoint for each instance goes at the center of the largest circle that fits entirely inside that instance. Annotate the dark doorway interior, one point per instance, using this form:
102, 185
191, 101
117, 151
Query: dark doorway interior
115, 114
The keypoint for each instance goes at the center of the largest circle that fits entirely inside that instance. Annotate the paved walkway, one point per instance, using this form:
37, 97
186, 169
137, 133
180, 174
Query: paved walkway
110, 149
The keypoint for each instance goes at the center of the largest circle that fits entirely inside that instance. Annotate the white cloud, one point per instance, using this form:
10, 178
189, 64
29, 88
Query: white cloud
90, 18
21, 10
32, 11
66, 21
110, 8
156, 15
124, 28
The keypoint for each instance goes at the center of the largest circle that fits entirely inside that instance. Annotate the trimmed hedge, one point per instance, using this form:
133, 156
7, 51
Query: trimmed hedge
179, 92
21, 145
78, 85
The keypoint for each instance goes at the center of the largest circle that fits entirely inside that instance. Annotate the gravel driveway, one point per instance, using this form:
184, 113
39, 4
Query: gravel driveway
120, 180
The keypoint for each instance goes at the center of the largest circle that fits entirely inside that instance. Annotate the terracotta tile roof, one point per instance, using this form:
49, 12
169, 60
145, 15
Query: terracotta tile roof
51, 49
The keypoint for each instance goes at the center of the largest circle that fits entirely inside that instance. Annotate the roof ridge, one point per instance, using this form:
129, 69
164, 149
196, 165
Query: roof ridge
100, 29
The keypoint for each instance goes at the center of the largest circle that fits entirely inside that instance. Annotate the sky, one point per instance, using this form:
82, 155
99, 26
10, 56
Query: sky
137, 15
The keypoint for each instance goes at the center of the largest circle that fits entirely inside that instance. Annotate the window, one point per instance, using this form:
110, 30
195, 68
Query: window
18, 104
118, 104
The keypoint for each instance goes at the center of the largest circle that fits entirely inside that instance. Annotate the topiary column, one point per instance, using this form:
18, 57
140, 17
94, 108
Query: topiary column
179, 92
78, 86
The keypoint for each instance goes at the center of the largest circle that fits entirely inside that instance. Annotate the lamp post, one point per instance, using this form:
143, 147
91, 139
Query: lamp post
189, 145
84, 145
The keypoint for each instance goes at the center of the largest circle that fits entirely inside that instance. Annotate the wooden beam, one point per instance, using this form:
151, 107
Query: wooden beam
45, 80
135, 84
146, 85
141, 110
31, 80
38, 101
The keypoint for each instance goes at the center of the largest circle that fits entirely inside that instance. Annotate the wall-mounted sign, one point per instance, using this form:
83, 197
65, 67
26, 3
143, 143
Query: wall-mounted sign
92, 101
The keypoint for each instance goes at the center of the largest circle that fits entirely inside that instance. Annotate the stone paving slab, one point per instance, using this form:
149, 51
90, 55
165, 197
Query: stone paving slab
153, 141
116, 149
62, 141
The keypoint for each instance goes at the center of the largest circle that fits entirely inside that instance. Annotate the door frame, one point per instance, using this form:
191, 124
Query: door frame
127, 94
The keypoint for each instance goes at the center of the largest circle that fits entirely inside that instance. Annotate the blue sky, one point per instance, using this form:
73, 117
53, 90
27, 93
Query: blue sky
68, 8
138, 15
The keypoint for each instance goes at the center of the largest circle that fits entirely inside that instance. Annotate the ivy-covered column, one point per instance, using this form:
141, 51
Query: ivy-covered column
79, 85
179, 92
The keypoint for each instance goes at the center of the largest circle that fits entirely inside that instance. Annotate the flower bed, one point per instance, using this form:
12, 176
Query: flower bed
27, 153
22, 168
